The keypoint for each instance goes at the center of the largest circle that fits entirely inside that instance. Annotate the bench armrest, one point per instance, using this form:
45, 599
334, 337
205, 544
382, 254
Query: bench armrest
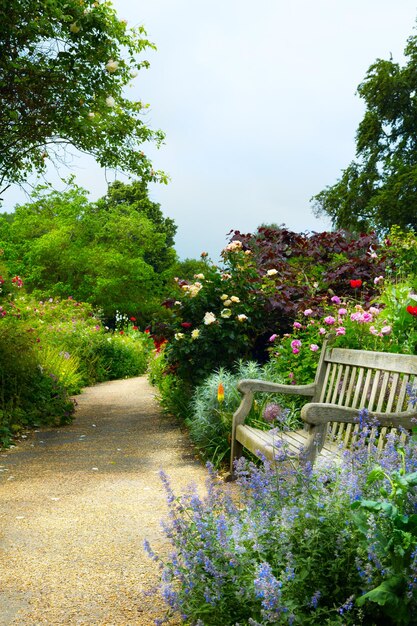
253, 385
317, 414
248, 387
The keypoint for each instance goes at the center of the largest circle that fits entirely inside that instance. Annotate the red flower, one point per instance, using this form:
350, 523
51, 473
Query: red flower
186, 324
147, 331
132, 319
135, 328
355, 284
122, 332
412, 310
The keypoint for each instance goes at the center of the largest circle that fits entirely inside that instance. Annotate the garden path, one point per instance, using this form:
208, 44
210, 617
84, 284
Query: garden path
76, 504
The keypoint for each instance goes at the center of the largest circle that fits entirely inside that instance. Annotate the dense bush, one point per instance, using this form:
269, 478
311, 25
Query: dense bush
50, 350
333, 545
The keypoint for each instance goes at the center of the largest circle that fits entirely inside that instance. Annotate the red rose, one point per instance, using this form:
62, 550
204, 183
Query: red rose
355, 284
186, 324
132, 319
135, 328
412, 310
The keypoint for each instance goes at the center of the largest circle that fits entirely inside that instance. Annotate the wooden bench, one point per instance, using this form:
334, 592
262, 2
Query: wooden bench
345, 382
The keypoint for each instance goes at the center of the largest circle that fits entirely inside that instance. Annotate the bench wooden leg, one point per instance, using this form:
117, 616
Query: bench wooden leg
236, 453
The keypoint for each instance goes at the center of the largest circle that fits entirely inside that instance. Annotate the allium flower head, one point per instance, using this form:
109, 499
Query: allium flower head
272, 412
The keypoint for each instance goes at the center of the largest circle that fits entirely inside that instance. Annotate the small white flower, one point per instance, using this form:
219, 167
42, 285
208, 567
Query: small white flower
110, 101
226, 313
272, 272
224, 296
227, 302
91, 114
235, 299
242, 317
209, 318
133, 73
179, 336
178, 303
199, 276
195, 333
112, 66
74, 28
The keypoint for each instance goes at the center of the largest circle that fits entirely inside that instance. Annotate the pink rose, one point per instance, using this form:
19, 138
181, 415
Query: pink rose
335, 300
273, 337
295, 351
308, 312
386, 330
329, 320
322, 331
314, 347
341, 330
296, 343
342, 312
297, 325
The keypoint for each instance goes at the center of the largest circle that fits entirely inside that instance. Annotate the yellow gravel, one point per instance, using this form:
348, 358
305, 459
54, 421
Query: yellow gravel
76, 504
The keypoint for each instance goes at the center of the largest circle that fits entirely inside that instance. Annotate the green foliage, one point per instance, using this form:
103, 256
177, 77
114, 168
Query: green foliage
174, 394
395, 541
29, 394
211, 415
49, 350
65, 68
377, 189
108, 254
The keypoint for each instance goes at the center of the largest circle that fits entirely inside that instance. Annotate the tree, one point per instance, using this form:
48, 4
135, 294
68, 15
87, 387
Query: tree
378, 189
64, 67
63, 245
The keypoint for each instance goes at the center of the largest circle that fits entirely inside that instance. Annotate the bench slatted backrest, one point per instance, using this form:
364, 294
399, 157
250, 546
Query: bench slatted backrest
377, 381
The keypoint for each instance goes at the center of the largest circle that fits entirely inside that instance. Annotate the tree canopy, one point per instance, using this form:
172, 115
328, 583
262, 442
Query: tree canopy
64, 67
378, 189
114, 257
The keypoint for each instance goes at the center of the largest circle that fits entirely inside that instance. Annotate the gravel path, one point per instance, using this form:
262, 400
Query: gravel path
76, 504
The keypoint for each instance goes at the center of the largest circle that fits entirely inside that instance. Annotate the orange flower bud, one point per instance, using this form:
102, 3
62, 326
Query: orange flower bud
220, 393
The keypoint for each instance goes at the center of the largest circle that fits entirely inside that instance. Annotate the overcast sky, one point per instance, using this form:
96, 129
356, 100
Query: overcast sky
258, 103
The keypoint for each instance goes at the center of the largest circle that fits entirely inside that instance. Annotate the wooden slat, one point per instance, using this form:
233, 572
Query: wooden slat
346, 373
336, 390
374, 390
382, 392
393, 392
331, 387
326, 378
365, 390
351, 387
402, 394
402, 363
355, 402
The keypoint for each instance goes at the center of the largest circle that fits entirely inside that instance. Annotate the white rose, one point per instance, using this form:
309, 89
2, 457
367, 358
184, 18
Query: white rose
179, 336
195, 333
242, 317
226, 313
272, 272
110, 101
112, 66
235, 299
209, 318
